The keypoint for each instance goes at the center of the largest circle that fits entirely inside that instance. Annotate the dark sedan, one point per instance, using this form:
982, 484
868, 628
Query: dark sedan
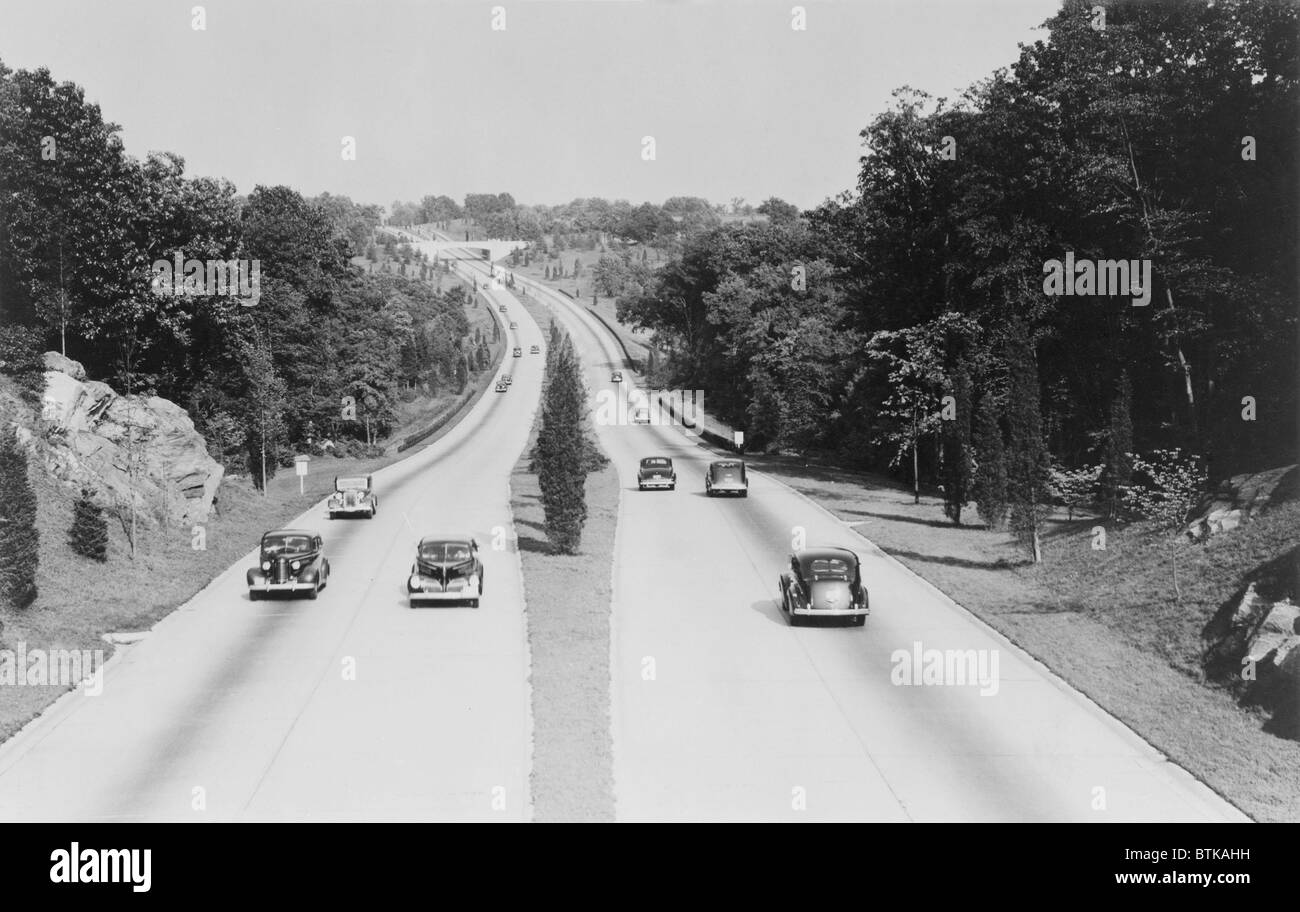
446, 569
290, 560
824, 582
656, 472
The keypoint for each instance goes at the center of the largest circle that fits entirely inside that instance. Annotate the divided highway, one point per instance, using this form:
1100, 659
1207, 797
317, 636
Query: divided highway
350, 707
723, 712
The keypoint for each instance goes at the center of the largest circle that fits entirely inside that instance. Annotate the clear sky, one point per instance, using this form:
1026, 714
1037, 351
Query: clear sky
551, 108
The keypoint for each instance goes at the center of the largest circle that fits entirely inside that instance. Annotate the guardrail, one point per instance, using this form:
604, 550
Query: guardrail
706, 435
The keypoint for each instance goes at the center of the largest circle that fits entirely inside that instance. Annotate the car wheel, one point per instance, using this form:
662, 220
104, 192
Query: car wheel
333, 515
473, 603
254, 595
315, 591
860, 620
744, 493
372, 511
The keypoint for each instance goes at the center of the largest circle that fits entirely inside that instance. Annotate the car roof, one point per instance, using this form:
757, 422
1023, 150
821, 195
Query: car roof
656, 458
727, 463
808, 555
458, 538
308, 532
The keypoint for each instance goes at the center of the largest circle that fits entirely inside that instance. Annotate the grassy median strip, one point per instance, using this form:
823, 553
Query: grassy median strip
569, 599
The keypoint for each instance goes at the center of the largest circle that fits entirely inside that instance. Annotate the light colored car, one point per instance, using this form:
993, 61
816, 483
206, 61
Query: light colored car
726, 476
826, 583
535, 350
519, 352
354, 495
508, 379
292, 561
514, 325
640, 414
446, 570
656, 472
616, 377
502, 386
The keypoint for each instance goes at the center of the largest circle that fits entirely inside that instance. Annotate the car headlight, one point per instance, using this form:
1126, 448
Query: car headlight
266, 565
295, 565
414, 581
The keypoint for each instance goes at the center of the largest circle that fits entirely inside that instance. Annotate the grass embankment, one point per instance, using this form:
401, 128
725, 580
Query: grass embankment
1110, 622
80, 600
569, 599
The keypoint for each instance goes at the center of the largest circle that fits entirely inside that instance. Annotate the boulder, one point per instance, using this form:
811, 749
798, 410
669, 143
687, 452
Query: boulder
1277, 634
1239, 498
125, 448
57, 362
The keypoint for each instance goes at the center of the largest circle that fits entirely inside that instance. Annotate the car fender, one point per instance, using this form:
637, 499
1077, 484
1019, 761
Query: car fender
255, 577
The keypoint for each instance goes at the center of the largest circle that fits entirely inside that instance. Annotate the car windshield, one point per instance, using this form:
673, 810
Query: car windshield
726, 468
445, 551
286, 544
656, 462
351, 484
830, 569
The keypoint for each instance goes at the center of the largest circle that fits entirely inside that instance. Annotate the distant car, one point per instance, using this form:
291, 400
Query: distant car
640, 414
519, 352
502, 386
514, 325
354, 495
503, 308
508, 379
616, 377
824, 582
535, 350
656, 472
726, 476
290, 560
446, 570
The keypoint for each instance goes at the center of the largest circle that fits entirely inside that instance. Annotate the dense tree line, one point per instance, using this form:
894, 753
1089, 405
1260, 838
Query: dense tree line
326, 348
1168, 136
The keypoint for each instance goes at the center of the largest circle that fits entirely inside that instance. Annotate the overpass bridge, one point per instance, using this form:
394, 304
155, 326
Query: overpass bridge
431, 242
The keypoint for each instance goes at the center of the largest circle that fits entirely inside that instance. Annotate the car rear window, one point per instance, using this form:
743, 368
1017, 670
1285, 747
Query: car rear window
830, 569
656, 462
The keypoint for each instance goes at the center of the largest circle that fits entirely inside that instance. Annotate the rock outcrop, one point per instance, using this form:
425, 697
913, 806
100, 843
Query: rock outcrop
124, 448
1239, 498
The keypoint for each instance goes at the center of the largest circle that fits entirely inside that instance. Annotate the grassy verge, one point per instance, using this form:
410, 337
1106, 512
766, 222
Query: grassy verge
1110, 622
568, 635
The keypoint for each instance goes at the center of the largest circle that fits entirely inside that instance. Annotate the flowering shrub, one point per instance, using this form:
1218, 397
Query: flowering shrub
1074, 487
1175, 482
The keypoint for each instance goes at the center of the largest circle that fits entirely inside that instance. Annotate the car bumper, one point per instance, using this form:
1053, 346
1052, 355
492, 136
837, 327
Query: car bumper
294, 586
463, 595
831, 612
728, 489
347, 510
657, 483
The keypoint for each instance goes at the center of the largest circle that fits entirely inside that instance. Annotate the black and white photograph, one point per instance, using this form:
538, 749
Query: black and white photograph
868, 412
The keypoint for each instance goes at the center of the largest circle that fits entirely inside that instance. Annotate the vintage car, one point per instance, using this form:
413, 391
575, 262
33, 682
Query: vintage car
519, 352
354, 495
508, 379
502, 386
656, 472
535, 350
514, 325
446, 570
826, 583
726, 476
616, 377
503, 308
640, 414
291, 560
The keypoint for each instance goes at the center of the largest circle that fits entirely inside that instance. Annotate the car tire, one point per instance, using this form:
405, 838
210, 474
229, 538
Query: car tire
312, 593
254, 595
473, 603
860, 620
744, 493
333, 515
